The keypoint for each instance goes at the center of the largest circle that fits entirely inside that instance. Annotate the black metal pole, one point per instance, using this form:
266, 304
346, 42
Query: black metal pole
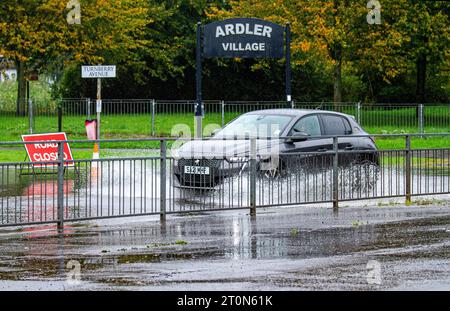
198, 76
28, 91
59, 118
60, 194
288, 66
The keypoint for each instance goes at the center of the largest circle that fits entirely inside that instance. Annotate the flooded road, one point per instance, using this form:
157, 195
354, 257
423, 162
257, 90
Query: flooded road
128, 187
299, 248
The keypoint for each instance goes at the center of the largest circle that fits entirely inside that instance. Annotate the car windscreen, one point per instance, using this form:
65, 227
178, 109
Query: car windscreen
255, 125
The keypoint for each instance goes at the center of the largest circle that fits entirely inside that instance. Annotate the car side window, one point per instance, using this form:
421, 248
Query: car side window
348, 128
309, 125
335, 125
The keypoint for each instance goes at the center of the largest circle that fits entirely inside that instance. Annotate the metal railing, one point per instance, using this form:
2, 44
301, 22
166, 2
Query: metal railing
376, 118
159, 184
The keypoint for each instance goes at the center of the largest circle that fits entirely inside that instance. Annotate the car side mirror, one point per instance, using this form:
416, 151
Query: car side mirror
297, 137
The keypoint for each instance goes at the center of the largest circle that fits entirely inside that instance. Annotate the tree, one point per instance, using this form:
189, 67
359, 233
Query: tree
35, 34
336, 53
320, 29
429, 37
411, 34
336, 33
163, 68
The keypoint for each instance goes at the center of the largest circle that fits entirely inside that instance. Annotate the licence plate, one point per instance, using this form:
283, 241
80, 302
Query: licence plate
196, 170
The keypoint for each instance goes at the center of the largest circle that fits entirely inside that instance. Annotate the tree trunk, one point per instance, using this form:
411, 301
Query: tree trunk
21, 89
337, 75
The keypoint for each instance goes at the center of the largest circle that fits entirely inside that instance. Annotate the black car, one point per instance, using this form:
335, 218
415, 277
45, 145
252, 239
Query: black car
286, 139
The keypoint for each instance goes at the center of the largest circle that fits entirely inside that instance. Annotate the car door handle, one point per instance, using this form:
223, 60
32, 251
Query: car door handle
322, 149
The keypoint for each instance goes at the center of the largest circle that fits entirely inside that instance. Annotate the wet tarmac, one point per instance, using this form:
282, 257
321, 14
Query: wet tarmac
383, 247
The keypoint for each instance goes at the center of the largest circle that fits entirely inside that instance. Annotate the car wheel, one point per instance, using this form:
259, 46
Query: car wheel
277, 171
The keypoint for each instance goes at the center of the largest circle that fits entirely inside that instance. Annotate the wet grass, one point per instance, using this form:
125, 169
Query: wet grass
294, 232
138, 258
399, 143
181, 242
139, 126
121, 282
18, 155
419, 202
112, 126
430, 202
166, 125
357, 223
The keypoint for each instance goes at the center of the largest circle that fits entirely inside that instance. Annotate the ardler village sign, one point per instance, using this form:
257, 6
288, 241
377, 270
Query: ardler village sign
243, 29
243, 38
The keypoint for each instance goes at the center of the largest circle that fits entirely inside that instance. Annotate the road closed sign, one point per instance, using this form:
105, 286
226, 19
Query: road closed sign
46, 149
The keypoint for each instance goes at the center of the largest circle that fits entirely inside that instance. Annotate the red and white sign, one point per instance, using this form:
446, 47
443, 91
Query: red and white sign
91, 129
41, 153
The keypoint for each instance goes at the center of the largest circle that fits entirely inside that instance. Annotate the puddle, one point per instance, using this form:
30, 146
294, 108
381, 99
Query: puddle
208, 238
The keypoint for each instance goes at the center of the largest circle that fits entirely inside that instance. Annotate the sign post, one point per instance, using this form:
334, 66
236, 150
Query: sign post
98, 72
99, 110
199, 112
288, 66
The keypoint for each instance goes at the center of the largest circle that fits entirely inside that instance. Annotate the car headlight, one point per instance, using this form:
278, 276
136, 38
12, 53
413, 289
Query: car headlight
237, 159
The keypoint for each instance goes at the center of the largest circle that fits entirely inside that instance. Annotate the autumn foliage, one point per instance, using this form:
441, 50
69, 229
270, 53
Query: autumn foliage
334, 50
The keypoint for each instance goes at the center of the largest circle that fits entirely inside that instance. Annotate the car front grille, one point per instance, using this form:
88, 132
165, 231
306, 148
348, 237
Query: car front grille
198, 179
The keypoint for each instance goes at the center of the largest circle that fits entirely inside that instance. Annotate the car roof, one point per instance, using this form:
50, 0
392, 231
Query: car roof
293, 112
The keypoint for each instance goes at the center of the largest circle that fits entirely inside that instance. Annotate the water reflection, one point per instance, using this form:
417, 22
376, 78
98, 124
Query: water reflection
32, 198
206, 238
236, 238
